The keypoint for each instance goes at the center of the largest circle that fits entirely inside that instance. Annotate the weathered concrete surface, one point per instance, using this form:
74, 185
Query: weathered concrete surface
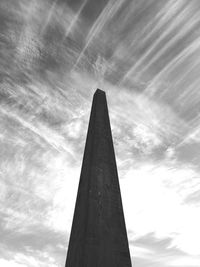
98, 235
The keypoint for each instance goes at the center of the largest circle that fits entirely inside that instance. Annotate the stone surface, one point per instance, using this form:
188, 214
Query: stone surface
98, 236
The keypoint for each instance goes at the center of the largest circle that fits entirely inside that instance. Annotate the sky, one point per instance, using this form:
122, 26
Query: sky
146, 56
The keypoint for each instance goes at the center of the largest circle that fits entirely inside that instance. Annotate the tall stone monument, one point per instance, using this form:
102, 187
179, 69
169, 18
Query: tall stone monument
98, 236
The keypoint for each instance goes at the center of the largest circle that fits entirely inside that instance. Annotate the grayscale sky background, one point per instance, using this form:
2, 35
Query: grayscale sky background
146, 55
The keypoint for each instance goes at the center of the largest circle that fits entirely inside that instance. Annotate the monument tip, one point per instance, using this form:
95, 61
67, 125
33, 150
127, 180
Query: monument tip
99, 91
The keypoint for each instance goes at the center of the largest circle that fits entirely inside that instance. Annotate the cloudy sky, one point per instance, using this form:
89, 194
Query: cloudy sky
146, 56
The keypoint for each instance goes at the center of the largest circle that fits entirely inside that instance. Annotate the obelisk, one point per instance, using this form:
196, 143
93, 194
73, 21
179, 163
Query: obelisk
98, 235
